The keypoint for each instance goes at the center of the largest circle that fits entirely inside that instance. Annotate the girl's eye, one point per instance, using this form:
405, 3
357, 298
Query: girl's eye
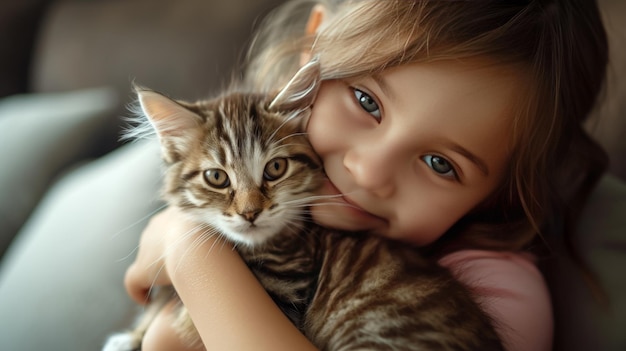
275, 169
440, 165
367, 103
216, 178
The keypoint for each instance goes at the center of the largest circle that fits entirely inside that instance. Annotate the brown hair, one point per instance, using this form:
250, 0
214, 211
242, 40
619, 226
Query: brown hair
561, 47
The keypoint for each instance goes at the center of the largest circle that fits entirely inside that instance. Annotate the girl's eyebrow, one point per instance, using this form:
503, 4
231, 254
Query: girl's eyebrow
477, 161
384, 87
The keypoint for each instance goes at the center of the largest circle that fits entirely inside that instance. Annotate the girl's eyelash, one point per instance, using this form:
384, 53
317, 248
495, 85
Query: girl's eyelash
367, 103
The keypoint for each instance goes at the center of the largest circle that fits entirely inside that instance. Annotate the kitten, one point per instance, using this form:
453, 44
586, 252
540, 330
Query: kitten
242, 165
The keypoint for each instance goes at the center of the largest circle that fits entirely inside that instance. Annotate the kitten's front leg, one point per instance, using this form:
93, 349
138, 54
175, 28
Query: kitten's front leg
131, 340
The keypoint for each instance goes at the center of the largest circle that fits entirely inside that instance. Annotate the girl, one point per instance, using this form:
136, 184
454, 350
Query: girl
449, 124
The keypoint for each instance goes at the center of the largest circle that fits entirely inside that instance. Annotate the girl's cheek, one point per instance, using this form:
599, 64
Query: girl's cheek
316, 133
323, 127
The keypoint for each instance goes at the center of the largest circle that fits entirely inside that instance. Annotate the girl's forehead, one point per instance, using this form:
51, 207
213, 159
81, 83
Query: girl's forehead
475, 71
477, 79
481, 67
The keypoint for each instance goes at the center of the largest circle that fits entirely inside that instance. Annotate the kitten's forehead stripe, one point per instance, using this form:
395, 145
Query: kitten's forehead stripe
306, 160
221, 156
187, 176
220, 124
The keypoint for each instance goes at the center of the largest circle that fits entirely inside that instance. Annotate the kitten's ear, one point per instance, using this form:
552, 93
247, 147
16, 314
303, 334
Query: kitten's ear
301, 90
168, 117
175, 125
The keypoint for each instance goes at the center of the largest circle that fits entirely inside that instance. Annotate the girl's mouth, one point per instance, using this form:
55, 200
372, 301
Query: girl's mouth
351, 206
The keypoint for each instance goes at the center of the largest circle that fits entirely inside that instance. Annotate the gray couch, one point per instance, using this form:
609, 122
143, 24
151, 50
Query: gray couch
68, 186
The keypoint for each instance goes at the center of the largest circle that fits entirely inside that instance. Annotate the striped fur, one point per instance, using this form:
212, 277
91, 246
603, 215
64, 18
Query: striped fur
345, 291
375, 294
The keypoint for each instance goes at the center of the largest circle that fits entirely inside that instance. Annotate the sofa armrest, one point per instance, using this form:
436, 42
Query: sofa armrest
41, 135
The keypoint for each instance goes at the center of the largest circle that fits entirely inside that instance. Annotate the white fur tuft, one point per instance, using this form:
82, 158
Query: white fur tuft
139, 125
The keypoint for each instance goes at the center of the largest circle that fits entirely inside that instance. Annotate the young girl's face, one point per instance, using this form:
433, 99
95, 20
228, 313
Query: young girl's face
410, 151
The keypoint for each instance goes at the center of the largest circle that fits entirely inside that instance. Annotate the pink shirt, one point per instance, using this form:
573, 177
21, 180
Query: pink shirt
512, 290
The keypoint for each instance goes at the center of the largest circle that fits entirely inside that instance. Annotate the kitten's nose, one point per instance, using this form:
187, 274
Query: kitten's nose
251, 215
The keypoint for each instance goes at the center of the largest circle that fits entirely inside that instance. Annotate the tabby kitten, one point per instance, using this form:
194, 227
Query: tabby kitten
242, 165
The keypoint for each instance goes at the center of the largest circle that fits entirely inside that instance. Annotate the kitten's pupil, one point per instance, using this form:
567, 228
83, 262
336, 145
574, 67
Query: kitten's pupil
275, 169
216, 178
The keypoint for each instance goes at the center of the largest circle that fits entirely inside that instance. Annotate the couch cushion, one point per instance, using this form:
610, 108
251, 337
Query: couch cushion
61, 281
39, 136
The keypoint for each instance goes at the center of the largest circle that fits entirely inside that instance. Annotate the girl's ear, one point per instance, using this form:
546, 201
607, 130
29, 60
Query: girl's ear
300, 91
175, 125
316, 18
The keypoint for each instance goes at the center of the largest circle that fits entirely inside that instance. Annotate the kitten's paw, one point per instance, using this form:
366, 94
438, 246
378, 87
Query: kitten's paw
122, 342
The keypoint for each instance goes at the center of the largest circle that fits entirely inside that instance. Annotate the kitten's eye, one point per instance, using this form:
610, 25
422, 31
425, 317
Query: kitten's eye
440, 165
216, 178
367, 103
275, 169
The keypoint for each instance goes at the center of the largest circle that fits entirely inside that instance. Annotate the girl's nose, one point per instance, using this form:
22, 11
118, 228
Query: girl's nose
372, 170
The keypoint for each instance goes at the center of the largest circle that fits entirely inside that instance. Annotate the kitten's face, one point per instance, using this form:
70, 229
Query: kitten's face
240, 163
248, 174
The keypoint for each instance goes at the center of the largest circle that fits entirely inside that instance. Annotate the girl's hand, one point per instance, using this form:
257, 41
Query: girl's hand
149, 268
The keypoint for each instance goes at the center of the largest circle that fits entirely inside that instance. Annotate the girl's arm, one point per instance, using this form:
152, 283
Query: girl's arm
229, 307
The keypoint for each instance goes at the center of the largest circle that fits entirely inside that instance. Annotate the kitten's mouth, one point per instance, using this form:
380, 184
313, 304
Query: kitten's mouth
251, 234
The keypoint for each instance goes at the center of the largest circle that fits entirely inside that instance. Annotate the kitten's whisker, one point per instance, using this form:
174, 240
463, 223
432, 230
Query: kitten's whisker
319, 197
296, 227
224, 242
324, 204
290, 136
198, 240
312, 198
284, 146
219, 238
152, 285
206, 234
313, 201
138, 221
178, 240
287, 120
136, 248
318, 204
209, 233
341, 204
